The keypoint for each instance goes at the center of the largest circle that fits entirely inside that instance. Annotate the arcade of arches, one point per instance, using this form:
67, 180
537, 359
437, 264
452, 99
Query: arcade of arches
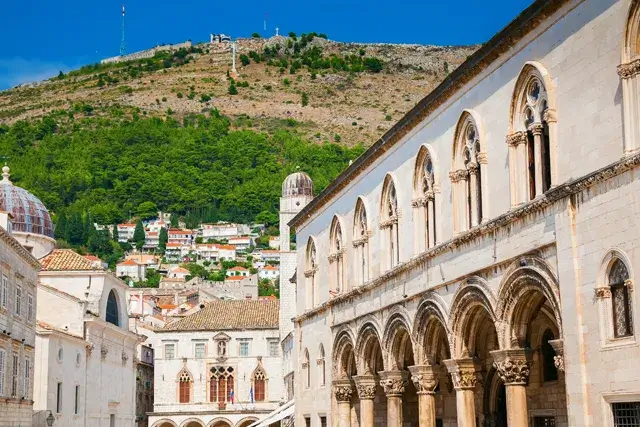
215, 423
482, 361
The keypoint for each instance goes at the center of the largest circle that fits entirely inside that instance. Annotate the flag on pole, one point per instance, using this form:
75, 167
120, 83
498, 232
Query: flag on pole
232, 395
251, 394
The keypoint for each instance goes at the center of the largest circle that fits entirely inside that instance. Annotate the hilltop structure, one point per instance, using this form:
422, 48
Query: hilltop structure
475, 267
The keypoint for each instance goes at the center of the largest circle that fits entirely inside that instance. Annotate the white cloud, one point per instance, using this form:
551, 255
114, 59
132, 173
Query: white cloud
15, 71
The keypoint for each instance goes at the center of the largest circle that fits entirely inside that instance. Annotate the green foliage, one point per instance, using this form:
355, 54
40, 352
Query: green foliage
293, 35
286, 82
256, 36
163, 238
174, 221
205, 98
244, 59
387, 117
153, 278
195, 270
305, 99
373, 65
266, 288
232, 90
147, 210
198, 170
138, 235
446, 67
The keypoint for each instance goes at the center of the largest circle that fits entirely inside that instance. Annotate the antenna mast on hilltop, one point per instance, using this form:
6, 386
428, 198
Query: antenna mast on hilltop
123, 45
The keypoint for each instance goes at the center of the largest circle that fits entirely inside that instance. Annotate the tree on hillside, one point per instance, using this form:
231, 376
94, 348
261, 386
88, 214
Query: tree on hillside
163, 238
61, 226
174, 221
138, 235
100, 244
75, 229
114, 233
147, 210
267, 218
89, 228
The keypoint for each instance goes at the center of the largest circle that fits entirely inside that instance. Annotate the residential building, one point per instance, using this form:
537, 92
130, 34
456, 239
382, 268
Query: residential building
269, 272
182, 237
215, 252
223, 230
85, 368
173, 252
267, 255
148, 260
238, 271
18, 277
242, 243
178, 272
274, 242
96, 262
133, 270
219, 366
151, 240
125, 232
476, 264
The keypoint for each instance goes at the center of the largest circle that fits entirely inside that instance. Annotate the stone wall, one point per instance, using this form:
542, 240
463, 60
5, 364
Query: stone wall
149, 53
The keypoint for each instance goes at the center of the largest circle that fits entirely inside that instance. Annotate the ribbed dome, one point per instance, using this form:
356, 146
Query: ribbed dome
297, 184
29, 214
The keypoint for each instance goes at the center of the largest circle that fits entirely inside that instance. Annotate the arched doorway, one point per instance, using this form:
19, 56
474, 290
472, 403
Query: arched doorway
369, 360
495, 401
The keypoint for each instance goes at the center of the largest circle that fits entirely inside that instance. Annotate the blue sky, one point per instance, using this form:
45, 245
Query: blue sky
41, 37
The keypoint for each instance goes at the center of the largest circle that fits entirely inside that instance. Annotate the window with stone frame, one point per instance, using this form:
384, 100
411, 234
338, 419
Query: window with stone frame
274, 348
15, 369
18, 302
310, 274
27, 377
199, 350
184, 387
169, 351
549, 369
259, 384
389, 223
621, 300
4, 295
3, 362
221, 383
306, 369
336, 257
322, 378
626, 414
361, 243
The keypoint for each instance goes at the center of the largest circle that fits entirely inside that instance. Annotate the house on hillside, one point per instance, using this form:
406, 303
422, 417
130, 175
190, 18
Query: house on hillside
125, 232
130, 268
238, 271
270, 272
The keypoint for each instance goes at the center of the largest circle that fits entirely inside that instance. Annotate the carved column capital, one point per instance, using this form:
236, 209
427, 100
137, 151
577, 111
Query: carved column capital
514, 366
558, 359
419, 202
366, 386
393, 382
458, 175
343, 389
603, 292
536, 128
472, 167
424, 378
549, 115
628, 70
516, 139
103, 352
482, 158
463, 373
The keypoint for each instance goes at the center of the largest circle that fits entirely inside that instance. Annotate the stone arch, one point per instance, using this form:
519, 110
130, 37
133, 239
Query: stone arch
467, 116
113, 309
429, 328
631, 36
473, 302
390, 213
368, 351
337, 252
527, 284
337, 231
607, 262
425, 152
311, 265
530, 70
389, 188
164, 423
615, 297
362, 205
192, 422
397, 339
220, 422
246, 421
343, 356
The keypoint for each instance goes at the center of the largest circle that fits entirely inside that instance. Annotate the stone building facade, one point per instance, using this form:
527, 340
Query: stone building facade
219, 367
475, 266
18, 279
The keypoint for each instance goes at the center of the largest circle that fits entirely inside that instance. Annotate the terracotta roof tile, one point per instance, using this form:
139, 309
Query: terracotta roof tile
236, 277
270, 267
128, 262
227, 247
49, 327
238, 268
66, 260
231, 314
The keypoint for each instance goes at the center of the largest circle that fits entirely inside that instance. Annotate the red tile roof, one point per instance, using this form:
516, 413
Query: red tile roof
238, 268
231, 314
128, 262
270, 267
66, 260
236, 278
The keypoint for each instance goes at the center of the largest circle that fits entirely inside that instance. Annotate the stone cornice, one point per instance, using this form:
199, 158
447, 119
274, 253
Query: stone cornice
630, 69
500, 44
20, 250
550, 197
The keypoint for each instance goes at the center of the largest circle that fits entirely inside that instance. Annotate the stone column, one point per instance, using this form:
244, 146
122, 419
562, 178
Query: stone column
431, 220
425, 380
514, 367
366, 386
549, 117
394, 383
558, 359
463, 373
343, 389
537, 129
473, 188
459, 187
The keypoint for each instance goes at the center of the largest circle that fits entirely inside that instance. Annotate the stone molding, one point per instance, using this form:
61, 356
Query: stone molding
538, 204
558, 359
125, 358
19, 249
424, 378
463, 373
388, 223
366, 386
310, 272
482, 158
503, 42
103, 352
514, 366
516, 138
549, 116
458, 175
630, 69
603, 292
343, 389
393, 382
536, 128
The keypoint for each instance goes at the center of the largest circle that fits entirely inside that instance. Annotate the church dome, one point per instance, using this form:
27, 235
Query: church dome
29, 214
297, 184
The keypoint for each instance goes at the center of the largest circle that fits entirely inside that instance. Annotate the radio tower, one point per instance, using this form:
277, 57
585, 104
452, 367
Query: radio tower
123, 45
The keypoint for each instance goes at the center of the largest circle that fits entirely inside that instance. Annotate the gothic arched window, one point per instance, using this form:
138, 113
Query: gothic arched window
424, 202
259, 384
389, 222
469, 167
310, 273
361, 242
184, 387
322, 367
549, 370
306, 369
221, 384
336, 257
533, 141
113, 315
621, 300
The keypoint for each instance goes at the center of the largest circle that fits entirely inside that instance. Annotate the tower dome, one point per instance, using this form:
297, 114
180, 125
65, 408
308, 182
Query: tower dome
29, 214
297, 184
